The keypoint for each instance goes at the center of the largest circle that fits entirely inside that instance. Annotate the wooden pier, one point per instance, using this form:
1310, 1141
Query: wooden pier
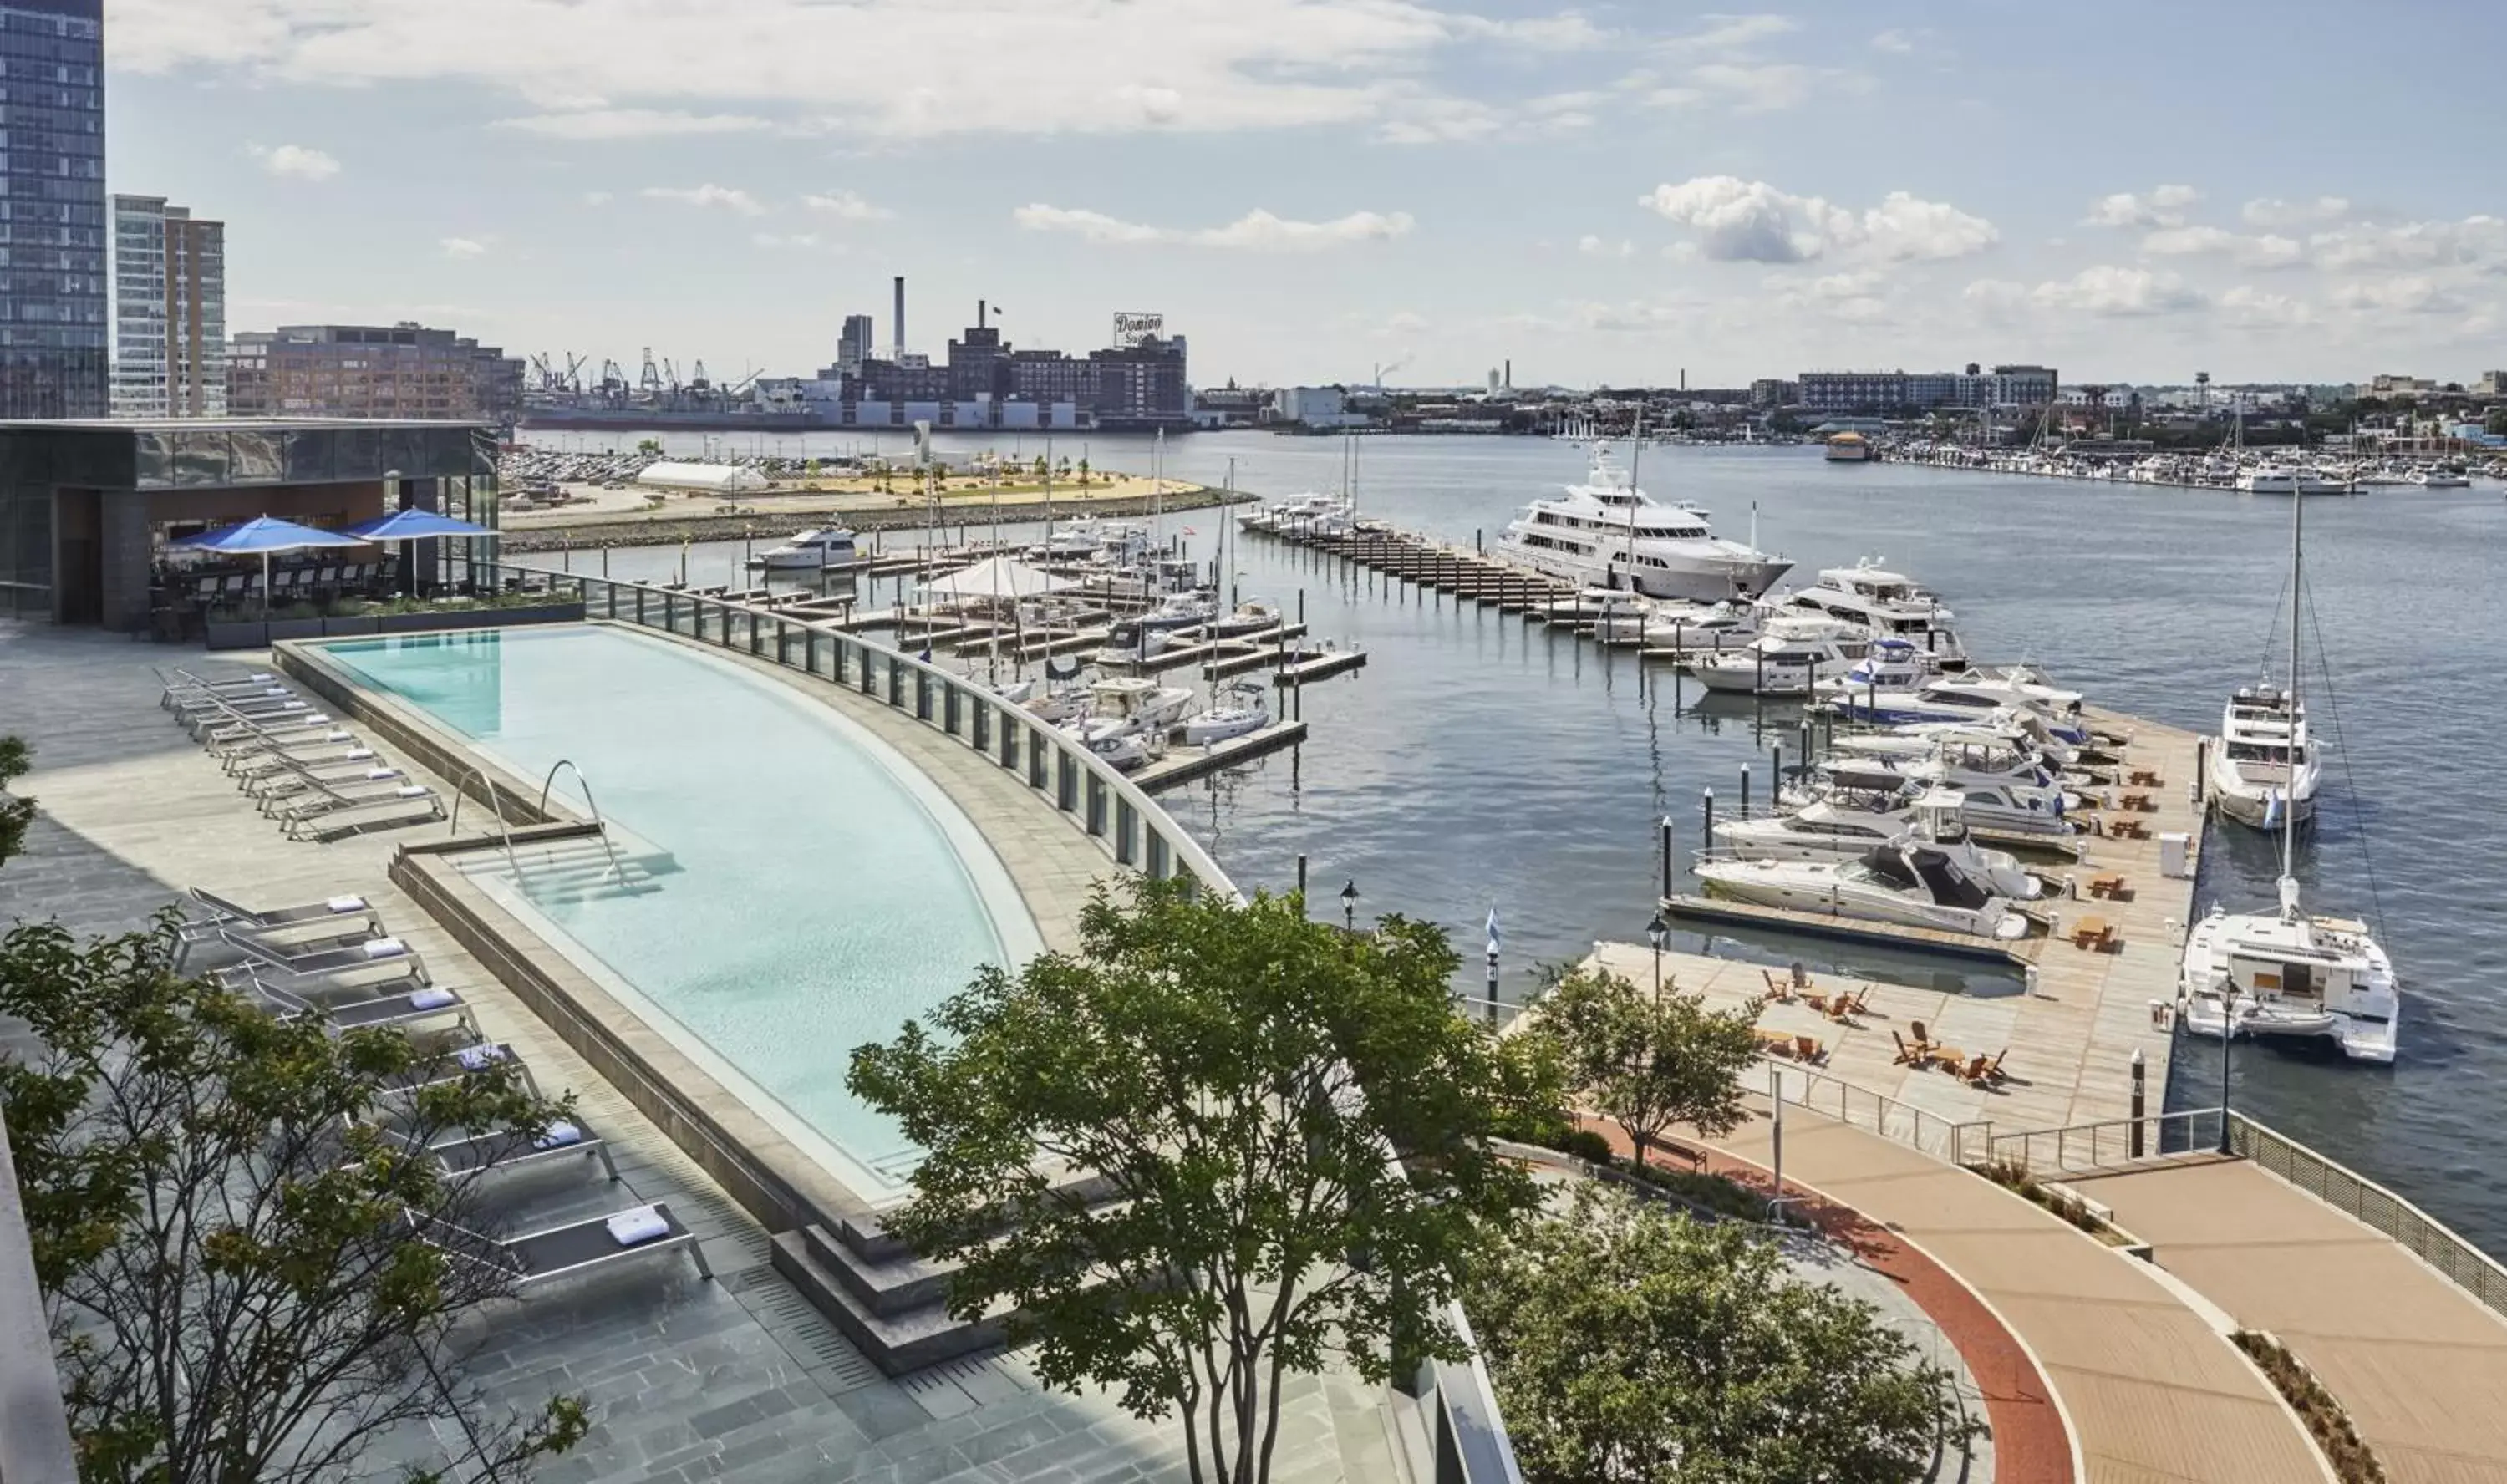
1437, 565
1183, 764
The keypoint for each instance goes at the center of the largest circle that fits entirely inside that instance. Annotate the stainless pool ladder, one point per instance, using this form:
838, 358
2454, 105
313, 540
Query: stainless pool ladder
511, 861
617, 872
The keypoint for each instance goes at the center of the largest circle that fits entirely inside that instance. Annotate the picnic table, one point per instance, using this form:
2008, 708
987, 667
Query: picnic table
2093, 932
2110, 884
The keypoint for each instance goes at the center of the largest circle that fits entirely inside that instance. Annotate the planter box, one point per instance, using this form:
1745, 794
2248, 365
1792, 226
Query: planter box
478, 618
253, 634
336, 627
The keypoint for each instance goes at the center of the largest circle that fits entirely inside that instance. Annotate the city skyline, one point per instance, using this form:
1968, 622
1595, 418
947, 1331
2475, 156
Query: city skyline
1310, 190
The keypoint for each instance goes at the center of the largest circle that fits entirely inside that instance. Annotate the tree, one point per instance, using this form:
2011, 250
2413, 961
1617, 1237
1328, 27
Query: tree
1242, 1081
1083, 472
2496, 423
1647, 1060
15, 813
651, 446
235, 1255
1043, 468
1631, 1344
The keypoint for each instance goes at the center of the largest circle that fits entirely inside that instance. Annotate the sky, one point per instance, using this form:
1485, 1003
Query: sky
1336, 189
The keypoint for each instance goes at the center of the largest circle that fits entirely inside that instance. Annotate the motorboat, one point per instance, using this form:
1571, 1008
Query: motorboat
826, 549
2268, 479
1790, 657
1906, 882
1311, 513
2015, 800
1246, 708
1055, 699
1608, 532
1145, 635
1968, 697
2007, 726
1254, 615
1893, 664
1138, 700
2284, 972
1844, 824
2440, 477
1888, 604
1688, 627
2263, 763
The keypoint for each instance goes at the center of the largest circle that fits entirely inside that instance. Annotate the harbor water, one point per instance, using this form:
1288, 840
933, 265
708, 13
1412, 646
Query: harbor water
1481, 763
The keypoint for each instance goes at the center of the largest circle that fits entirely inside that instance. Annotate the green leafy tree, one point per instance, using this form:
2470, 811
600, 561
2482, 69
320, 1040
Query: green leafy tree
1647, 1059
1043, 468
1083, 472
1242, 1081
649, 445
16, 812
238, 1239
2496, 423
1631, 1344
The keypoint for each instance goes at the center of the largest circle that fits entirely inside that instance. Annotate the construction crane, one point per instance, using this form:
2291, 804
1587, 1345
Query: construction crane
697, 379
613, 379
649, 380
573, 372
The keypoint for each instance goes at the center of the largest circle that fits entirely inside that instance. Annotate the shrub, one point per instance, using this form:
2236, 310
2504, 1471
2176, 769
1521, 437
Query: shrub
1583, 1144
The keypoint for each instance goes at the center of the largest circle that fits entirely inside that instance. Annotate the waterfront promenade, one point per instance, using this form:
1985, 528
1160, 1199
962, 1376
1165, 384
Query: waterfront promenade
688, 1380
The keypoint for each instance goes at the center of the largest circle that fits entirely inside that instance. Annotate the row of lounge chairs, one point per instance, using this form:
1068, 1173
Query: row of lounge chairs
300, 766
332, 961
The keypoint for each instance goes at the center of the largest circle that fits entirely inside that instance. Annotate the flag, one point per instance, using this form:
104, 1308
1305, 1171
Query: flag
1494, 936
1189, 531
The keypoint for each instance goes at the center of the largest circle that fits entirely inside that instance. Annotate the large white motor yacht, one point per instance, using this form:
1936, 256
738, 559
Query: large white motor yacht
2262, 762
827, 549
1790, 657
1888, 604
2015, 797
1905, 881
2006, 727
1842, 824
1608, 532
1969, 696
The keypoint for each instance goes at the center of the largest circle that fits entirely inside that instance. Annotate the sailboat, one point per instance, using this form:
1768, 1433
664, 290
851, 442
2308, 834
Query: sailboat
2283, 972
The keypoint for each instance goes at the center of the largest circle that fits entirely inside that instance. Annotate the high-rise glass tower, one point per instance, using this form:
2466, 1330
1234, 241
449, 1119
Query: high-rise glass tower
53, 359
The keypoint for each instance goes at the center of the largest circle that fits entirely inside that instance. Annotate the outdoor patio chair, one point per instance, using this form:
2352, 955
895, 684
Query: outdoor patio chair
271, 767
266, 711
305, 796
335, 745
1778, 989
461, 1055
411, 804
244, 735
498, 1149
184, 685
415, 1006
1923, 1037
222, 912
1988, 1072
1907, 1056
1807, 1049
579, 1247
319, 962
293, 940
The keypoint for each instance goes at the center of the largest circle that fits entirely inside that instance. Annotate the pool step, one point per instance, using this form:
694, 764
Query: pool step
576, 870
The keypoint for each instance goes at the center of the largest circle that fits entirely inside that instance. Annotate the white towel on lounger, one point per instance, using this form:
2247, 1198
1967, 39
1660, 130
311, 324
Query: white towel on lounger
559, 1134
432, 997
413, 791
480, 1058
377, 775
385, 948
345, 904
628, 1228
356, 754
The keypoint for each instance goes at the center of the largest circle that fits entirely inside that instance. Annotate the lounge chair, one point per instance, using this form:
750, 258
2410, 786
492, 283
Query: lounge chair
280, 788
556, 1251
317, 963
1907, 1056
246, 697
514, 1149
459, 1058
312, 730
280, 705
412, 803
413, 1006
287, 943
1807, 1049
186, 685
222, 912
334, 748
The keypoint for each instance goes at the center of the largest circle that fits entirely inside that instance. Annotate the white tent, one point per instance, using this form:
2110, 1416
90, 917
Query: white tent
714, 479
994, 577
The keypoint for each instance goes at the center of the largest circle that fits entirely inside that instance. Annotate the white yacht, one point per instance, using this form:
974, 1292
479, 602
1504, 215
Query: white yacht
1888, 604
2262, 762
1892, 665
2268, 479
1968, 698
1905, 881
1843, 823
827, 549
2013, 796
1608, 532
1311, 512
1254, 615
1789, 658
2283, 972
1687, 626
2007, 726
1246, 708
1145, 634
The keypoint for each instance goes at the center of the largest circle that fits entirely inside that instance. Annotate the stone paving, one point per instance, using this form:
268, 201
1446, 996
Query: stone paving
689, 1380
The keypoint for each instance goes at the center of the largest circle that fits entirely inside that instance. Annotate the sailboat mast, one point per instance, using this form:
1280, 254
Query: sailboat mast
2289, 748
1636, 456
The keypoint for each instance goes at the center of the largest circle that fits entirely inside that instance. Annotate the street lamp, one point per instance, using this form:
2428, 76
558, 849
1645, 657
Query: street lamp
1349, 906
1655, 933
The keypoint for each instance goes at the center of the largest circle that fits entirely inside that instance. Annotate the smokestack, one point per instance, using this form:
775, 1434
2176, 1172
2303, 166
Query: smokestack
979, 314
900, 317
1509, 373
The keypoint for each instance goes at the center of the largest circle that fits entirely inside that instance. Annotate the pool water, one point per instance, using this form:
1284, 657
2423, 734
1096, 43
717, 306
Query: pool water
817, 889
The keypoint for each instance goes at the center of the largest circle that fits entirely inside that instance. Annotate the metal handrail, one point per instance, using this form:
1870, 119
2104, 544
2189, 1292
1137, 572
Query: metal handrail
2374, 1207
497, 806
1954, 1135
617, 872
2095, 1133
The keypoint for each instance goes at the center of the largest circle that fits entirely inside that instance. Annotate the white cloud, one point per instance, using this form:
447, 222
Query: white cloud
1732, 32
1750, 221
2262, 250
708, 195
784, 238
295, 161
2410, 294
2162, 207
1257, 231
1593, 246
2245, 305
597, 197
634, 124
2476, 241
2118, 292
1747, 87
2271, 211
463, 247
1894, 43
847, 207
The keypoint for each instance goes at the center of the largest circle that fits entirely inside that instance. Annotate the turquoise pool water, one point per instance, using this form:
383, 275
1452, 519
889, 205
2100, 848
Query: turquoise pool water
817, 891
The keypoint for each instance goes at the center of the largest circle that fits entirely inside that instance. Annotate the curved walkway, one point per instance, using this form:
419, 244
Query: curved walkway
2153, 1391
2419, 1366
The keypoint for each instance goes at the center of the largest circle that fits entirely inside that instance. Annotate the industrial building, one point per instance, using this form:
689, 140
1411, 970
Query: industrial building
1883, 391
371, 371
169, 311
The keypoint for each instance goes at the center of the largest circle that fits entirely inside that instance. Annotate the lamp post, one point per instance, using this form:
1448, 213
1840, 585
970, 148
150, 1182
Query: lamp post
1656, 931
2137, 1075
1349, 906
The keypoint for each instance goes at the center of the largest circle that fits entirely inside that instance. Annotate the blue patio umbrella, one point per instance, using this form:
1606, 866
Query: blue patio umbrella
413, 525
262, 535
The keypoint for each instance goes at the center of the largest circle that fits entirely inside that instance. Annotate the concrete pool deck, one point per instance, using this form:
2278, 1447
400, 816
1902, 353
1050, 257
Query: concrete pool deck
689, 1380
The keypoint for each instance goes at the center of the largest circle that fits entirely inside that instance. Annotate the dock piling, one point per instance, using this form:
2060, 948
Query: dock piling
1708, 804
1745, 790
1666, 851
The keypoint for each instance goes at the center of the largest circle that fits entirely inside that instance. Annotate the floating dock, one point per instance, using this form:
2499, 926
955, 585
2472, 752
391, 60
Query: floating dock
1183, 764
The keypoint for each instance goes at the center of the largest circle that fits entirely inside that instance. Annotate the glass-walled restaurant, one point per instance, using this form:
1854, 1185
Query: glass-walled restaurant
88, 512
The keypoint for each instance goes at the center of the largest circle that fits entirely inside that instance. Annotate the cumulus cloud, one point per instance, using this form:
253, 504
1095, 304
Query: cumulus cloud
2271, 211
2245, 305
463, 247
2119, 293
784, 238
1750, 221
728, 198
1593, 246
2261, 251
1257, 231
2164, 206
2409, 294
295, 161
2476, 241
634, 124
1894, 43
847, 207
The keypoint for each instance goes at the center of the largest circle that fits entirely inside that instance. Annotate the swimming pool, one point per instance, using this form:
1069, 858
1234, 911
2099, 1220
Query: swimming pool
822, 890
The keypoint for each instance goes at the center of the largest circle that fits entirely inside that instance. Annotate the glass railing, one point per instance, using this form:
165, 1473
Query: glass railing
1106, 806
